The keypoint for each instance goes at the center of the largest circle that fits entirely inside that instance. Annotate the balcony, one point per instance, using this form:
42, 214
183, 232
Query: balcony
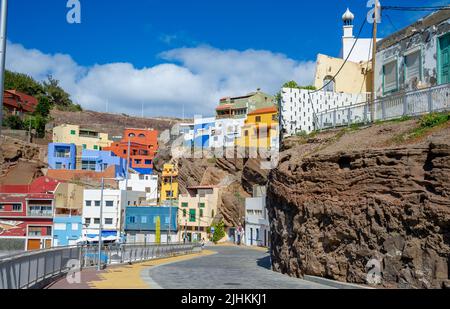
40, 211
62, 155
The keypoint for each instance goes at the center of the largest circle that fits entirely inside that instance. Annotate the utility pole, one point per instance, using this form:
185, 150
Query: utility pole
126, 186
4, 15
170, 207
374, 55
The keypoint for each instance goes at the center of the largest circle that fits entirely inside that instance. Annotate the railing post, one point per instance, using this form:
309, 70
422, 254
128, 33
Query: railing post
321, 122
405, 105
430, 100
349, 118
334, 119
383, 110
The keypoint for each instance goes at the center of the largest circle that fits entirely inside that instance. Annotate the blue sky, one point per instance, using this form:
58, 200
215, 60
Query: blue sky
187, 43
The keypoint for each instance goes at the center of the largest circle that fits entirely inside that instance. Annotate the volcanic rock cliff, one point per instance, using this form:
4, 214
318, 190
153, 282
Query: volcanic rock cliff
340, 200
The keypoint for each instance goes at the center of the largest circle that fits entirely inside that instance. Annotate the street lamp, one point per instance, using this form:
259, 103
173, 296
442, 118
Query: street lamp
100, 229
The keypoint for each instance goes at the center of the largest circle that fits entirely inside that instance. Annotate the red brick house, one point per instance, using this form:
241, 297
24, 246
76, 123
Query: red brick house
26, 214
18, 103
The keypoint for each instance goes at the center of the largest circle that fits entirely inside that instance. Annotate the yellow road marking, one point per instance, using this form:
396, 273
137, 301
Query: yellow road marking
129, 277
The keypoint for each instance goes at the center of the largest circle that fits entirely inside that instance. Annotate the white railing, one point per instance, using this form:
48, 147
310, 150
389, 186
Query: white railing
413, 103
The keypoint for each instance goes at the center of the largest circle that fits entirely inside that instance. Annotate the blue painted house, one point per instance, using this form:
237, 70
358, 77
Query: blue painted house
67, 230
202, 132
62, 156
140, 224
95, 160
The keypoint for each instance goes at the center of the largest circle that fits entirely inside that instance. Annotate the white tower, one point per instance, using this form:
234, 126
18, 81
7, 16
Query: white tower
348, 18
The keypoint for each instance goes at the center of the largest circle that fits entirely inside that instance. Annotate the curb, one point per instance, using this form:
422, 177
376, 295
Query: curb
336, 284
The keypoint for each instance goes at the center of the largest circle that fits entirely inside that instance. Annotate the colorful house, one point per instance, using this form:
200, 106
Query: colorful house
260, 129
67, 230
62, 156
169, 184
202, 132
82, 138
17, 103
143, 144
141, 227
26, 214
239, 107
196, 212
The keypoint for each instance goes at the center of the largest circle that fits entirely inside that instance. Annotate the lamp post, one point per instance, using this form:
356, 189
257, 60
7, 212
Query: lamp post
3, 24
100, 228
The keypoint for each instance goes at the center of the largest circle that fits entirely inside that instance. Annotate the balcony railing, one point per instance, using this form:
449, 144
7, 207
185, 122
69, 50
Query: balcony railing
35, 211
413, 103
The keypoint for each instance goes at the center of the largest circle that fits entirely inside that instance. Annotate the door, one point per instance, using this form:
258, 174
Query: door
33, 244
251, 236
48, 243
444, 59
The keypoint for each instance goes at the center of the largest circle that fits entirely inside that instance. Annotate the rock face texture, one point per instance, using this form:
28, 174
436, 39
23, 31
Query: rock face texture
20, 162
333, 213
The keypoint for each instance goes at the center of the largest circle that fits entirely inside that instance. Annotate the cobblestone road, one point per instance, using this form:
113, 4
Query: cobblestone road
232, 267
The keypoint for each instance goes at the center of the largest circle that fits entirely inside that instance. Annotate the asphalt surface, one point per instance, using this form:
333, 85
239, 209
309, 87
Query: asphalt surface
231, 268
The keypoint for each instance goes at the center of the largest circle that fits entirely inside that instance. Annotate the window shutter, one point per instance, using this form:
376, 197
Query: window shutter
413, 66
390, 76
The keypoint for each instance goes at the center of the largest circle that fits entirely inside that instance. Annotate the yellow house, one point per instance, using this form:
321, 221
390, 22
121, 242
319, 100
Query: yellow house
82, 138
196, 212
169, 183
260, 129
68, 199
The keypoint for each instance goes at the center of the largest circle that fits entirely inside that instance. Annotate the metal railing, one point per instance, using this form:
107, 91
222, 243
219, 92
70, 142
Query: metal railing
413, 103
37, 269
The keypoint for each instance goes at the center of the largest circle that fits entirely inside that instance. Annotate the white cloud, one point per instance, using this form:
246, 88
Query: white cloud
195, 78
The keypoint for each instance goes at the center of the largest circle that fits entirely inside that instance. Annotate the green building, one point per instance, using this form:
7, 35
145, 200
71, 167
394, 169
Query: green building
239, 107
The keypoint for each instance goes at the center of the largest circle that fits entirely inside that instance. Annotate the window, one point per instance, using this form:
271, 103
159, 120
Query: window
137, 161
201, 213
132, 219
144, 219
73, 132
131, 135
109, 203
58, 166
169, 194
95, 147
96, 220
108, 221
74, 226
413, 66
184, 204
141, 135
258, 119
148, 190
88, 165
97, 203
328, 83
60, 226
88, 203
246, 133
84, 146
17, 207
201, 205
167, 220
34, 231
148, 162
184, 213
191, 215
87, 221
390, 79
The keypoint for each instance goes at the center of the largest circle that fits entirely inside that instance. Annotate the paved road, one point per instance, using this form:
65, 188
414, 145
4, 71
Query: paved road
231, 267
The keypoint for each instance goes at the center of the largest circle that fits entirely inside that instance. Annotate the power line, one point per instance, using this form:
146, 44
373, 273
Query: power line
417, 8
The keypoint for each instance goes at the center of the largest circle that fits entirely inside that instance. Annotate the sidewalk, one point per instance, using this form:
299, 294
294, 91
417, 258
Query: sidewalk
121, 277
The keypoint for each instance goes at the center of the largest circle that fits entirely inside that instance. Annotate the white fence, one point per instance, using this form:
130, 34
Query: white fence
414, 103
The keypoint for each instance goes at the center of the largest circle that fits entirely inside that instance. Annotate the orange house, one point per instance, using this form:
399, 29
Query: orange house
143, 148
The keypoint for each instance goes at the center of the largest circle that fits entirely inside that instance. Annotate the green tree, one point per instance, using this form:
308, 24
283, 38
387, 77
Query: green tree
56, 95
219, 231
23, 83
36, 122
290, 84
43, 108
14, 122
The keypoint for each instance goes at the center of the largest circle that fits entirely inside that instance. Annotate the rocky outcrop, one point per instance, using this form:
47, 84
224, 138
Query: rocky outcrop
332, 213
20, 162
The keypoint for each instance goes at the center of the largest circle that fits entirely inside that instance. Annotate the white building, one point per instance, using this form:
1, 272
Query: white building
114, 203
226, 131
300, 107
363, 47
257, 228
142, 183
